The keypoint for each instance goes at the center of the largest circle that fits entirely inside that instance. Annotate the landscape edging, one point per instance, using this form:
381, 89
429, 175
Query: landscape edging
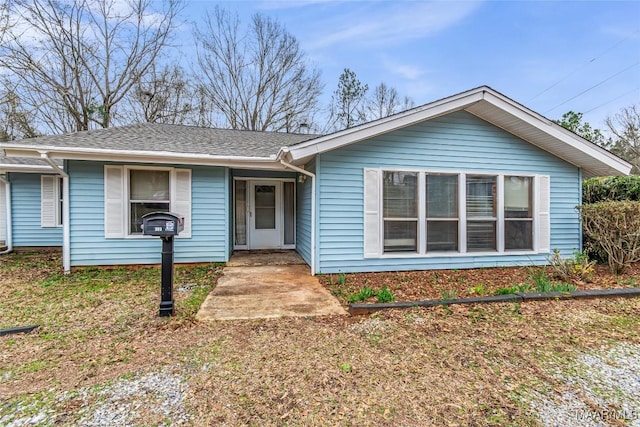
363, 308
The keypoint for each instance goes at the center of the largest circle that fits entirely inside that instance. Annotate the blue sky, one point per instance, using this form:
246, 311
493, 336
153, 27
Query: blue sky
543, 54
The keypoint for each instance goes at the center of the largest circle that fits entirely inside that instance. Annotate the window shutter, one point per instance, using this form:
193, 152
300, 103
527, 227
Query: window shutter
48, 200
181, 198
114, 201
371, 213
543, 235
3, 213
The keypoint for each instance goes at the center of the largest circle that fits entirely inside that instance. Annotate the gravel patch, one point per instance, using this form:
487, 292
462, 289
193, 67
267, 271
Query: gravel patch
599, 388
143, 398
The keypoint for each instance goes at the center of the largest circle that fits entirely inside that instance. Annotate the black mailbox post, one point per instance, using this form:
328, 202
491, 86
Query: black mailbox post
165, 225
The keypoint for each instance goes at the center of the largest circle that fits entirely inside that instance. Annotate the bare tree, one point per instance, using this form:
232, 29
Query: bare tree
385, 101
258, 79
76, 61
164, 96
15, 121
625, 131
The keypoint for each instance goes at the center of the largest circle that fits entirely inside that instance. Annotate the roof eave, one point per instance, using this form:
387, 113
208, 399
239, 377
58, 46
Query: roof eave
132, 156
596, 160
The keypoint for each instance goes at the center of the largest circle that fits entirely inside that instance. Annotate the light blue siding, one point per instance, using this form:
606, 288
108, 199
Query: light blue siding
456, 142
209, 216
26, 213
303, 215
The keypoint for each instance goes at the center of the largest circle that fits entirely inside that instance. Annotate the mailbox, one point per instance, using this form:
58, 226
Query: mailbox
162, 224
165, 225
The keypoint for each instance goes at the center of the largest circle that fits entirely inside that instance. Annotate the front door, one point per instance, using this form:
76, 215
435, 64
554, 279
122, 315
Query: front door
265, 214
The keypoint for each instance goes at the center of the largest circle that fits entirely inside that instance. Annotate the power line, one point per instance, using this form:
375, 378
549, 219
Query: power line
593, 87
592, 60
612, 100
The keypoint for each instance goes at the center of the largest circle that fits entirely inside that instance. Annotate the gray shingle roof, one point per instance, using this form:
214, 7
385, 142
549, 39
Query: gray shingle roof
174, 138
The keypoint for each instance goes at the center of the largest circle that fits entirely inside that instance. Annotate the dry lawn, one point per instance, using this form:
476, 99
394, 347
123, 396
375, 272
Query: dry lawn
467, 366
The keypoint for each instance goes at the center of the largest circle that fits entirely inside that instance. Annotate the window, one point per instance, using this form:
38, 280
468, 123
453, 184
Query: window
148, 192
400, 211
442, 212
425, 212
481, 213
51, 191
131, 192
518, 212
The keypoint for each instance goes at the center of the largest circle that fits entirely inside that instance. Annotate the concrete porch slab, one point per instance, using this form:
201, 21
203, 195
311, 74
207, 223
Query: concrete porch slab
267, 291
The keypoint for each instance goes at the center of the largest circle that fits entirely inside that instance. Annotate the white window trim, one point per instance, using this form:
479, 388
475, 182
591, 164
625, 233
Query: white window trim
127, 198
54, 204
462, 219
124, 203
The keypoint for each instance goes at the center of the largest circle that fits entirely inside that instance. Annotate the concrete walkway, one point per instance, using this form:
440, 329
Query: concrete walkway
259, 285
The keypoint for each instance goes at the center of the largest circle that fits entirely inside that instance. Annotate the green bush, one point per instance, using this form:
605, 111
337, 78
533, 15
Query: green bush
615, 226
611, 188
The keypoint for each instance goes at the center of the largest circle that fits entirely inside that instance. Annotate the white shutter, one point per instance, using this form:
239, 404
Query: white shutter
3, 213
181, 198
372, 247
543, 220
114, 202
48, 200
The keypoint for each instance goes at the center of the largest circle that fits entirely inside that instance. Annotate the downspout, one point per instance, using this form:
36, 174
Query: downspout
313, 211
9, 225
66, 252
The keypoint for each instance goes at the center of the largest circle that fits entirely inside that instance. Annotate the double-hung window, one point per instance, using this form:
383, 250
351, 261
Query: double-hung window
149, 191
400, 211
423, 213
518, 212
442, 212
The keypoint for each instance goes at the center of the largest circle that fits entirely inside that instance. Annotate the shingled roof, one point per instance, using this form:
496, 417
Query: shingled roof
173, 138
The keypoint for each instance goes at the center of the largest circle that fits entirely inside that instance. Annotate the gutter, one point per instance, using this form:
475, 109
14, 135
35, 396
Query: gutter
66, 250
9, 225
313, 208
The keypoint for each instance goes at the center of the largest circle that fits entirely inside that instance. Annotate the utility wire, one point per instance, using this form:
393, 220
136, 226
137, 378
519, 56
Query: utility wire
593, 87
612, 100
585, 64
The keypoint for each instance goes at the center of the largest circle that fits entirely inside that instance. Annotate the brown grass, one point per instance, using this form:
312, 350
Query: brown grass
467, 366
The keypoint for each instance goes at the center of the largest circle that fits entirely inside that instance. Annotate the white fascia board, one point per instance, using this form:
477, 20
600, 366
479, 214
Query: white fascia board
25, 168
160, 157
563, 135
388, 124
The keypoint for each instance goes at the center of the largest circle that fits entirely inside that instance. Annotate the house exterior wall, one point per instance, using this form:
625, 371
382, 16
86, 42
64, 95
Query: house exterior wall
26, 208
303, 215
209, 216
455, 142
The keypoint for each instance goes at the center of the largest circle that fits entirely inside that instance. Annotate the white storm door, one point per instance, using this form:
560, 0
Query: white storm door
265, 215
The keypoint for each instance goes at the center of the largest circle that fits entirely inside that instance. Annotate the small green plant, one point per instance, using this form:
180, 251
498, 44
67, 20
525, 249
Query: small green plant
506, 291
362, 295
342, 279
346, 367
448, 294
562, 287
479, 290
385, 295
539, 278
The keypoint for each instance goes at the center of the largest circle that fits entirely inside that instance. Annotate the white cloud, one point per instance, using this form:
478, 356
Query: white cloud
385, 23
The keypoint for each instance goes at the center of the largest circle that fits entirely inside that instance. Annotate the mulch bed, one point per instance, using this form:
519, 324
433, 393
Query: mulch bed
446, 284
